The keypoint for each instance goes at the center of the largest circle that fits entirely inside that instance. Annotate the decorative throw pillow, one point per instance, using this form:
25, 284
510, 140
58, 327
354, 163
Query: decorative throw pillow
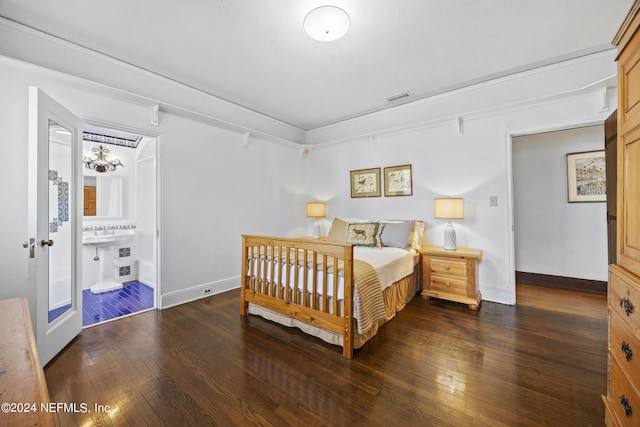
338, 231
397, 234
418, 235
364, 234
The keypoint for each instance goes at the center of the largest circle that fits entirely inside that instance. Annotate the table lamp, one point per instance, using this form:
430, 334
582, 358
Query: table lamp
316, 210
449, 208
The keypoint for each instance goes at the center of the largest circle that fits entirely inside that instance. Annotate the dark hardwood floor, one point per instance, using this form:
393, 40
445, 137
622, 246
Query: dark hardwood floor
436, 364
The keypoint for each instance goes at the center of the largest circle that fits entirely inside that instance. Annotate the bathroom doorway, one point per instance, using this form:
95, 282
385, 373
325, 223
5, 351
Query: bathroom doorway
120, 270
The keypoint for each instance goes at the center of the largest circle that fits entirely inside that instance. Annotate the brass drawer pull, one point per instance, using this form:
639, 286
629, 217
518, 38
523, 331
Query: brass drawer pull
626, 350
628, 410
626, 305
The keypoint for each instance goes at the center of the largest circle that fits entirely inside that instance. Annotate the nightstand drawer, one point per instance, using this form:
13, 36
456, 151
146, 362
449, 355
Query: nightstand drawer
448, 284
449, 267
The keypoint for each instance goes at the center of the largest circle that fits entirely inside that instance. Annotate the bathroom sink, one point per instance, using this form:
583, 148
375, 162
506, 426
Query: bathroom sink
106, 240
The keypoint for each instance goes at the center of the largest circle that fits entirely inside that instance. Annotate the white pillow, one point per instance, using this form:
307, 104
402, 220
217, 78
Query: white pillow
398, 234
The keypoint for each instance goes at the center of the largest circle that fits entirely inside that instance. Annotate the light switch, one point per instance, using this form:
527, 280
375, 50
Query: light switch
493, 201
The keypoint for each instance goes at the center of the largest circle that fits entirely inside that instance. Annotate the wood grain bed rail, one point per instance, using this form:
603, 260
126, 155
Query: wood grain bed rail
306, 288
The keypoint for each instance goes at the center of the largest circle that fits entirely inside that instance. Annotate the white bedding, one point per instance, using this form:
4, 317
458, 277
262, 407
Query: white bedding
390, 264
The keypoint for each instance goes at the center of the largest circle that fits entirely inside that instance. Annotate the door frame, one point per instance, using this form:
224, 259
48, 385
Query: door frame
509, 135
157, 136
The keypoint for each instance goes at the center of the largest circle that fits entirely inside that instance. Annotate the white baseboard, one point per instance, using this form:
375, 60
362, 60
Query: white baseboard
499, 295
197, 292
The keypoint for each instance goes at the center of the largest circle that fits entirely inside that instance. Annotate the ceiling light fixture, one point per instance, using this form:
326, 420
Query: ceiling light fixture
326, 23
100, 163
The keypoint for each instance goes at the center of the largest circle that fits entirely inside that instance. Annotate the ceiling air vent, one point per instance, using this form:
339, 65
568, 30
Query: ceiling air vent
398, 96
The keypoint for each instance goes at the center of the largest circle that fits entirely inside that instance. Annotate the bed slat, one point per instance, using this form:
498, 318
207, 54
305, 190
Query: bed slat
304, 297
335, 286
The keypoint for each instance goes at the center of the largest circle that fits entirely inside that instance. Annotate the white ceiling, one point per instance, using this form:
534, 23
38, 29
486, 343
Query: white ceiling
255, 53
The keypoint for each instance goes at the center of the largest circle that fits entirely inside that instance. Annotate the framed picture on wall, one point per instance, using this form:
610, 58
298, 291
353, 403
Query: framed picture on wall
586, 176
365, 183
397, 181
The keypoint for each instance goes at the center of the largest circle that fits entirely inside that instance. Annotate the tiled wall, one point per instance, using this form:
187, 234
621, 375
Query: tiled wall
101, 228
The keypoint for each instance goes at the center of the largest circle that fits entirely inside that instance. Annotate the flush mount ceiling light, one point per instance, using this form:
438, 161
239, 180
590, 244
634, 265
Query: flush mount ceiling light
326, 23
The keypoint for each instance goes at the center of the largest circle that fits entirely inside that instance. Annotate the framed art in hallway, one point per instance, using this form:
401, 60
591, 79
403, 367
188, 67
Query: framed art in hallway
586, 176
365, 183
397, 181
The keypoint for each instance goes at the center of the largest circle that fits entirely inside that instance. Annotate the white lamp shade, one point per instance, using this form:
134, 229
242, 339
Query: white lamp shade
448, 208
316, 209
326, 23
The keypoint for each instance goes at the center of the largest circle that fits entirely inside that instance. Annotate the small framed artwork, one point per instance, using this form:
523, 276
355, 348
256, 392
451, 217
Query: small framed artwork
365, 183
586, 176
397, 181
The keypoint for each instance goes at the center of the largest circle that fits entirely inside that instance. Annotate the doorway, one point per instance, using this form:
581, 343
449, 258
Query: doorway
611, 156
120, 279
59, 236
557, 242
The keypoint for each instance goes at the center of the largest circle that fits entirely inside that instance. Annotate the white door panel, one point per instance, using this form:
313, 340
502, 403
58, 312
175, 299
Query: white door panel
55, 215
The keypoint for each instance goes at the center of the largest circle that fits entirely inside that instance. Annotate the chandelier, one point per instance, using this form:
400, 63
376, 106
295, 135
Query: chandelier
100, 163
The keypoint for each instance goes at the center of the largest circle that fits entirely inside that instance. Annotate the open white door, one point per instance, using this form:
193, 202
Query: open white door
55, 221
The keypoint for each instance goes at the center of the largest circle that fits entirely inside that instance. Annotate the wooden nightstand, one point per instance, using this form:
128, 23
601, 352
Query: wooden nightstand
451, 275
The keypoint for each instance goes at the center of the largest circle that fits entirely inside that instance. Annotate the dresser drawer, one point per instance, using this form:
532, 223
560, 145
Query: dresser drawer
610, 419
625, 347
624, 299
448, 284
449, 267
623, 398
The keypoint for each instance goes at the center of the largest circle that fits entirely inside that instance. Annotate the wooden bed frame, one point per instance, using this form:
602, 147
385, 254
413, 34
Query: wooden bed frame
260, 282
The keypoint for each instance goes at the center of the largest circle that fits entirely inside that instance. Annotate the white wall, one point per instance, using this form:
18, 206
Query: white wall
474, 165
215, 184
553, 236
212, 187
213, 190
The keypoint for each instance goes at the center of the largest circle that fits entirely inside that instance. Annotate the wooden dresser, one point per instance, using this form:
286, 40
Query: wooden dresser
23, 389
622, 402
451, 274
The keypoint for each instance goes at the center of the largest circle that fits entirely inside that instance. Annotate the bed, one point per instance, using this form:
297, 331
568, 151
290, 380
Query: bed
340, 289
